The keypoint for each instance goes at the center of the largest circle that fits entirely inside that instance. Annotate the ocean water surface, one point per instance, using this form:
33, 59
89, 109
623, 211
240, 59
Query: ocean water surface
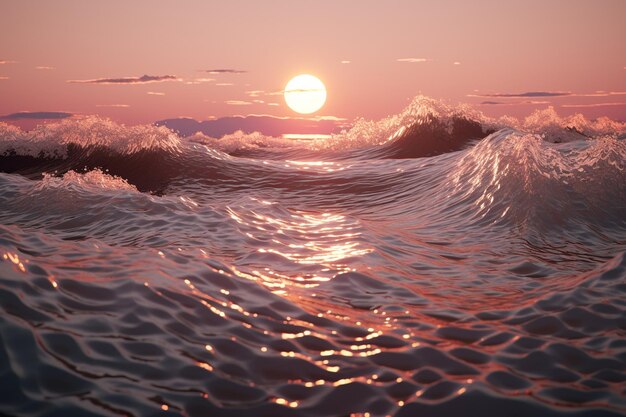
433, 263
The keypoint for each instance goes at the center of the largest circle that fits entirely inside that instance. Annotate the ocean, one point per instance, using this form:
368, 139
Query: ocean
434, 263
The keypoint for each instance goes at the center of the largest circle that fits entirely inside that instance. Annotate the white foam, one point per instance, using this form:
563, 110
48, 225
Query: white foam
51, 140
94, 180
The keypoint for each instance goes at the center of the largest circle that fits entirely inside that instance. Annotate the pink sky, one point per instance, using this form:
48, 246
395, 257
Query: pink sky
460, 51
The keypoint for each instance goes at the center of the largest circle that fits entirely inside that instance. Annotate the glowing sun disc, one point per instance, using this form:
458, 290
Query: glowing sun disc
305, 94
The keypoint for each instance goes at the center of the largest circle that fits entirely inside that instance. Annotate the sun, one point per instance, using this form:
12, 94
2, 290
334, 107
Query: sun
305, 94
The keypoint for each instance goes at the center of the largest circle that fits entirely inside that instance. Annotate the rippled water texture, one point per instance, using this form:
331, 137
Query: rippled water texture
434, 263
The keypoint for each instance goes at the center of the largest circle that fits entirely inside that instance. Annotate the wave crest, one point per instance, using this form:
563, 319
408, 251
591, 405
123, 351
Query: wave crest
90, 132
518, 174
95, 180
554, 128
241, 142
428, 127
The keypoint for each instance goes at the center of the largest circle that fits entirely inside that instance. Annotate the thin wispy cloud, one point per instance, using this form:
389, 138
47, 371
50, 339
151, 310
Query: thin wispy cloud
273, 104
331, 118
144, 79
525, 95
456, 63
513, 103
36, 115
4, 78
303, 90
535, 94
237, 103
224, 84
260, 93
155, 93
413, 60
294, 90
592, 105
44, 67
602, 94
113, 105
224, 71
3, 62
255, 93
200, 81
346, 62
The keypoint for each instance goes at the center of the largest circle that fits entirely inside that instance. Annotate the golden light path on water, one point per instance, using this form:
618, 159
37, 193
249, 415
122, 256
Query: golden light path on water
328, 360
327, 240
320, 240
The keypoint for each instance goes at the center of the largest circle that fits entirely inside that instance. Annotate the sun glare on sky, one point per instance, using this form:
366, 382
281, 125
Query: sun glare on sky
305, 94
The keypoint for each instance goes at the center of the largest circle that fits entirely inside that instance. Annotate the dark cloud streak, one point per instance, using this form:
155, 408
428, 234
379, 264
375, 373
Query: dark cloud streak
225, 71
36, 115
526, 94
513, 103
144, 79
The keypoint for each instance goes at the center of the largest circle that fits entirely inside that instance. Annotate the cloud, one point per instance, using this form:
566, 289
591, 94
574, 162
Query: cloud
260, 93
535, 94
44, 67
155, 93
346, 62
225, 71
200, 81
601, 94
144, 79
302, 90
113, 105
4, 78
512, 103
255, 93
592, 105
34, 115
224, 84
273, 104
456, 63
413, 60
331, 118
527, 94
237, 103
3, 62
294, 90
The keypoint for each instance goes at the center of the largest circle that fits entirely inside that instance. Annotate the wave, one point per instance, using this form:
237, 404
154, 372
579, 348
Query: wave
95, 179
431, 262
424, 123
509, 182
446, 128
90, 133
453, 157
504, 172
517, 174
